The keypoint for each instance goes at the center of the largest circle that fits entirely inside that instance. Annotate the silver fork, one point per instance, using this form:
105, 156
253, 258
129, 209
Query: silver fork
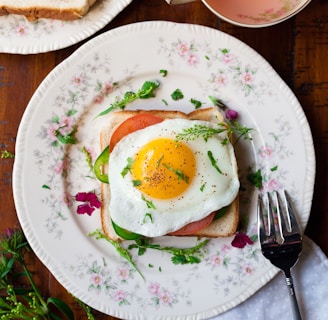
281, 241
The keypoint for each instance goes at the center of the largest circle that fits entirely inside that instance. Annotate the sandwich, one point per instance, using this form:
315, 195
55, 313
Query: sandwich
169, 173
51, 9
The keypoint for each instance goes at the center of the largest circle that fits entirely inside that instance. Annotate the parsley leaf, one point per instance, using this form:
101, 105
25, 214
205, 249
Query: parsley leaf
127, 168
146, 91
177, 95
255, 178
196, 103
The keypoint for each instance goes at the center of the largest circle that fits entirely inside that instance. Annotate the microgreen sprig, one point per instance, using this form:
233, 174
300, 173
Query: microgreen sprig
123, 252
205, 132
202, 131
145, 92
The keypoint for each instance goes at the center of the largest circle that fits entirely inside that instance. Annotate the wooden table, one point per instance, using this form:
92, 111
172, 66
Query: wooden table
297, 49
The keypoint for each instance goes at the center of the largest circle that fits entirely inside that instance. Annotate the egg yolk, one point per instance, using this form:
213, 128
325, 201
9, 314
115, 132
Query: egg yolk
163, 168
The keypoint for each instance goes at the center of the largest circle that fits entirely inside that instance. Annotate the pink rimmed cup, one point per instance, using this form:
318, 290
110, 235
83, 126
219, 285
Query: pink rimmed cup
252, 13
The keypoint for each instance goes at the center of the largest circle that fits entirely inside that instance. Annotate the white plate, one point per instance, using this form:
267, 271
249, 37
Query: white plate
201, 62
17, 35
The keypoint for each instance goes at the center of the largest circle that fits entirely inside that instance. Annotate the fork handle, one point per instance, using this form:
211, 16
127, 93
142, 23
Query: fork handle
296, 310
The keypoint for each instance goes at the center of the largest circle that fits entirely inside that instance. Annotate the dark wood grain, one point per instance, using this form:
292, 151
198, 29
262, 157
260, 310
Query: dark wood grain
297, 49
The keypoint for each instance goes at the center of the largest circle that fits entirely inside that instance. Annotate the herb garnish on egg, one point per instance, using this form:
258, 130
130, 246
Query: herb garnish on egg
128, 167
213, 161
178, 172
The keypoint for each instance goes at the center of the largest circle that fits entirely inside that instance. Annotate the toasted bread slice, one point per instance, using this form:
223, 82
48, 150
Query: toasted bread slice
35, 9
223, 227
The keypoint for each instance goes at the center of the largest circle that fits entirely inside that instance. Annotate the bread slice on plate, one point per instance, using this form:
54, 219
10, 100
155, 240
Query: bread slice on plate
222, 227
51, 9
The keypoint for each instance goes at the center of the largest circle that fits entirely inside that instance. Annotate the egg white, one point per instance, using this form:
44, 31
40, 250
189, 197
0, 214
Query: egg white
128, 208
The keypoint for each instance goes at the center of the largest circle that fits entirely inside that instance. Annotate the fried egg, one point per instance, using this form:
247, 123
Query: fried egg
158, 183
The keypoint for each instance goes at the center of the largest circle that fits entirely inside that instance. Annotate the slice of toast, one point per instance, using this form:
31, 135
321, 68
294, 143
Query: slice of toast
222, 227
50, 9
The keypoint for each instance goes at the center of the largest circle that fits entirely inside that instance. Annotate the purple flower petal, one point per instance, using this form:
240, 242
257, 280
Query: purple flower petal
231, 114
95, 203
9, 232
81, 196
85, 209
90, 202
241, 240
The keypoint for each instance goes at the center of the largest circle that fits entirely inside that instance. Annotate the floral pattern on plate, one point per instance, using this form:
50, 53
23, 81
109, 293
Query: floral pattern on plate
66, 106
18, 35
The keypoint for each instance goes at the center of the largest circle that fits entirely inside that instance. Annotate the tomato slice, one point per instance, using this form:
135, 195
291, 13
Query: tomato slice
193, 227
137, 122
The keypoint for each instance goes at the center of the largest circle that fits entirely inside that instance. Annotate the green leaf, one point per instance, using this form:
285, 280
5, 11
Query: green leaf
213, 161
179, 259
128, 167
62, 307
125, 234
177, 95
8, 268
275, 168
216, 102
149, 203
163, 72
255, 178
220, 213
196, 103
147, 89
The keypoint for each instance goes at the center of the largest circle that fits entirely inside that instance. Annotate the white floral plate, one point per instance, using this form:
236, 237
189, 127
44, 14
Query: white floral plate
201, 62
17, 35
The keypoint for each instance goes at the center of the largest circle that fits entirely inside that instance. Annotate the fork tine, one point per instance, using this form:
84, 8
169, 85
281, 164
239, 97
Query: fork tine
260, 218
293, 225
283, 228
271, 210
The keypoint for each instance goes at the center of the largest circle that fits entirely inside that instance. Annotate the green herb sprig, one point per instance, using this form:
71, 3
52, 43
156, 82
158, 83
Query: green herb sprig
202, 131
123, 252
205, 132
256, 178
145, 92
26, 302
179, 255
